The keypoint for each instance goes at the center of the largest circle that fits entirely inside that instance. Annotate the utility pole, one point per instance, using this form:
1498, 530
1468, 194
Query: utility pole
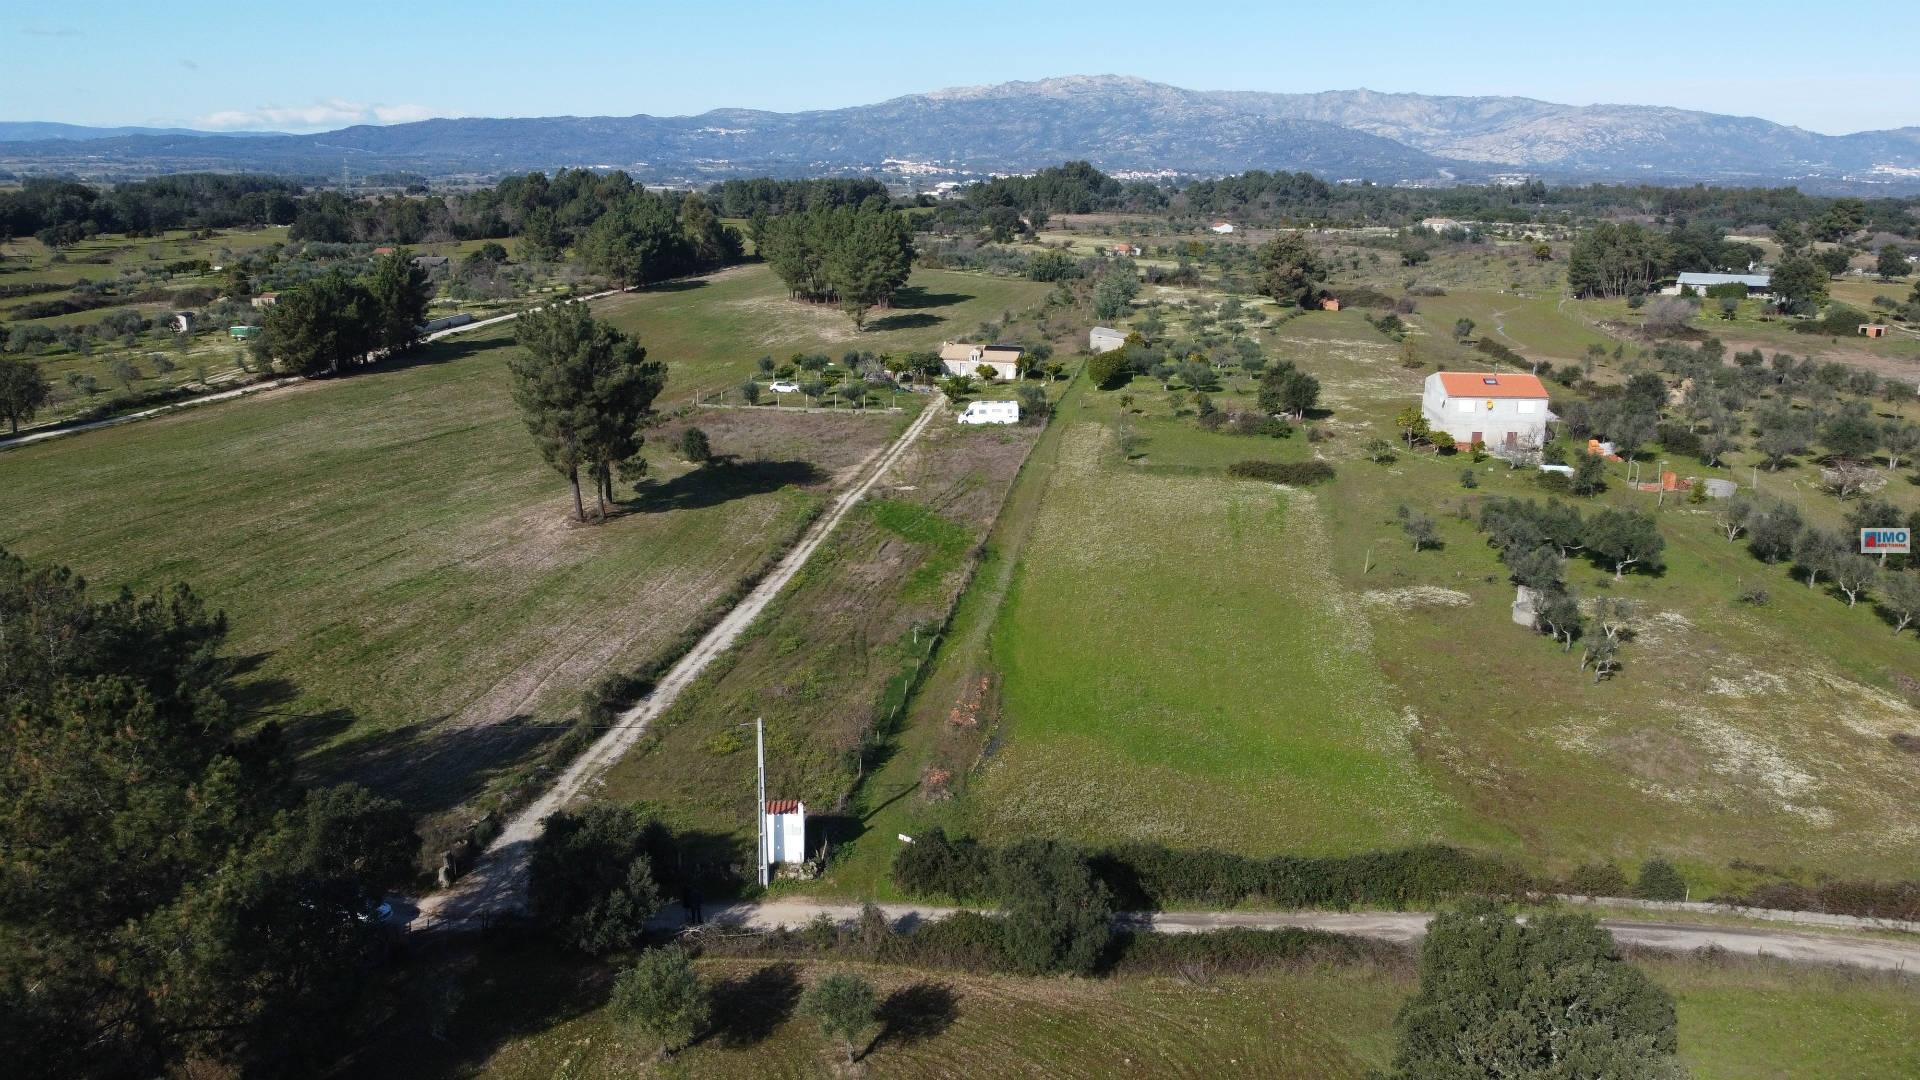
760, 808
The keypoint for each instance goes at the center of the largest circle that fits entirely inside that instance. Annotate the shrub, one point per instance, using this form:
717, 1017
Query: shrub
1292, 473
1109, 370
1144, 876
1596, 879
1660, 881
661, 997
591, 879
1549, 997
1059, 915
694, 446
1468, 479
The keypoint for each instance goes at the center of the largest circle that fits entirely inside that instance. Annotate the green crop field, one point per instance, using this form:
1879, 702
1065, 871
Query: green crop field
520, 1012
396, 559
1208, 662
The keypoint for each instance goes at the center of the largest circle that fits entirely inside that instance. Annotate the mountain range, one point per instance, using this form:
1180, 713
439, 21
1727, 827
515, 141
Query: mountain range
1120, 123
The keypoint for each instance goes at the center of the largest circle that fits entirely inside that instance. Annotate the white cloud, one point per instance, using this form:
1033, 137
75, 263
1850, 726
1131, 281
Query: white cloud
319, 116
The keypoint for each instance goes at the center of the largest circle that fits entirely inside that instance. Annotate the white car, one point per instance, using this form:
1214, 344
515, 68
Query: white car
785, 387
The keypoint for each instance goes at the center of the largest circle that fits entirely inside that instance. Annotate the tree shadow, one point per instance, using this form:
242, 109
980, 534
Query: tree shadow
429, 765
450, 1009
682, 285
914, 297
914, 321
747, 1010
718, 483
915, 1013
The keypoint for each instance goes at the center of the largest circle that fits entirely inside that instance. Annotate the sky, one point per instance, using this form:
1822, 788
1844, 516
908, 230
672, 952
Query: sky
310, 67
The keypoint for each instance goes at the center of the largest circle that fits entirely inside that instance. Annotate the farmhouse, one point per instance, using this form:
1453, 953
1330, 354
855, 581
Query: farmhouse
1222, 226
1126, 250
1760, 285
1440, 224
960, 358
182, 322
785, 834
265, 300
1104, 339
1506, 412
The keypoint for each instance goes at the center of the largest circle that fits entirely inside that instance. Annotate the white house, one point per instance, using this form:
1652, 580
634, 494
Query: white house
1758, 285
991, 412
1222, 226
1104, 339
960, 358
1507, 412
785, 832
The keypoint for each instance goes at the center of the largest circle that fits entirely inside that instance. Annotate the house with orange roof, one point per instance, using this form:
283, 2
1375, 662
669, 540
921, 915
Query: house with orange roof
1506, 411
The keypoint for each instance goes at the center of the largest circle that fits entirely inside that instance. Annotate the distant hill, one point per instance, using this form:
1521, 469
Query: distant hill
1119, 123
45, 131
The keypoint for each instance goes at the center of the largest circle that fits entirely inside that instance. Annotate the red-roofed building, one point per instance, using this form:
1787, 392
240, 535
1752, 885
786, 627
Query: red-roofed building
1507, 412
785, 834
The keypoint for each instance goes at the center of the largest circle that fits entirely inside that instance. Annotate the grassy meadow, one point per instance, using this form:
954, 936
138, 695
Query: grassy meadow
397, 561
517, 1011
1202, 661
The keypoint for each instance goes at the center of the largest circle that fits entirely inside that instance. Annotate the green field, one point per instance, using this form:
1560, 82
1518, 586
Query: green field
396, 559
833, 657
519, 1013
1207, 662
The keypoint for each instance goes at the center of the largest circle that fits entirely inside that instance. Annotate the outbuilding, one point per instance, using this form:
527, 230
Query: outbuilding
1105, 339
1873, 329
1222, 227
1757, 285
785, 832
1506, 412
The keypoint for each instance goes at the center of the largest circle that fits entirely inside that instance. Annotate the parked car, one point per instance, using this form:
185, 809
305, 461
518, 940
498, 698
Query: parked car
785, 387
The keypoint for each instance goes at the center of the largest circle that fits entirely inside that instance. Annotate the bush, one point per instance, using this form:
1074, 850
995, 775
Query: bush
694, 446
1059, 916
1660, 881
1146, 876
1548, 997
1678, 440
1292, 473
661, 997
1109, 370
1596, 879
591, 879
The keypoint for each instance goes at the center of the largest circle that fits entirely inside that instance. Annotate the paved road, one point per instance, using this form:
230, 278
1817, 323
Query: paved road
1402, 927
496, 886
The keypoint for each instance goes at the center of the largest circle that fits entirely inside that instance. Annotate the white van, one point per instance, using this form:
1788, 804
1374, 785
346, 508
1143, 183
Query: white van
991, 412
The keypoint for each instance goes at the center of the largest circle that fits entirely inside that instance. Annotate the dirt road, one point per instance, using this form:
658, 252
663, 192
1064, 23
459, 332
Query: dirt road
1402, 927
496, 885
